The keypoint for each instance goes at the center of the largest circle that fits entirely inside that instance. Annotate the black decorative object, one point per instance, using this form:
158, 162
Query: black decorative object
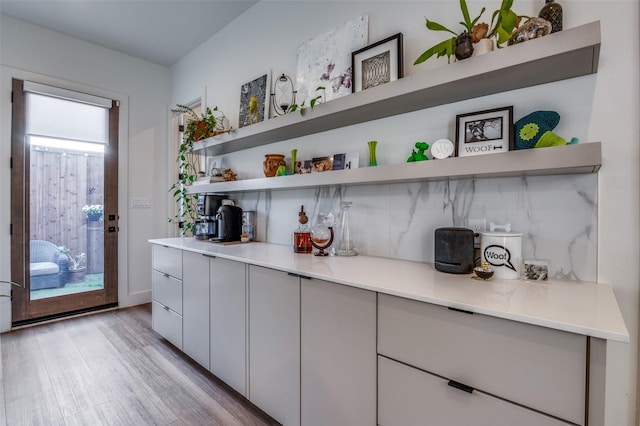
552, 12
464, 46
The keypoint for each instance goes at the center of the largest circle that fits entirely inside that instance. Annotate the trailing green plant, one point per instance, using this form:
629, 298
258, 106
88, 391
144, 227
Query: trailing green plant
205, 125
448, 47
320, 98
10, 283
198, 127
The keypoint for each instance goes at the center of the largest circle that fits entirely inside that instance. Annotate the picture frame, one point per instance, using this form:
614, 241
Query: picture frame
345, 161
535, 270
321, 164
377, 64
484, 132
260, 88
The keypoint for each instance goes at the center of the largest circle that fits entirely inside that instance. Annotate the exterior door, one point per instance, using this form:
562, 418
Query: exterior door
64, 206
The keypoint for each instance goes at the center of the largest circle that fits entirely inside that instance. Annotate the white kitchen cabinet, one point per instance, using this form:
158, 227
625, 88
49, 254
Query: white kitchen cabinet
407, 396
274, 343
166, 284
195, 311
537, 367
338, 354
228, 322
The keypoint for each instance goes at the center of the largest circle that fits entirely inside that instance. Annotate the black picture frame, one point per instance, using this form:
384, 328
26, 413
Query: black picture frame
386, 55
484, 132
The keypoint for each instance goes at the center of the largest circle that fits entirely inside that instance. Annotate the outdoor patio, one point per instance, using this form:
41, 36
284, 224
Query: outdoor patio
90, 282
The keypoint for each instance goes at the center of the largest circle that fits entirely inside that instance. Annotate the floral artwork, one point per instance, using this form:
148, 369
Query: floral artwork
325, 60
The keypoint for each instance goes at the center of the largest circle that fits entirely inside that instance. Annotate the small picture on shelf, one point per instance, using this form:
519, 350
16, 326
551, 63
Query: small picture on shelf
484, 132
215, 166
345, 161
305, 166
535, 270
322, 164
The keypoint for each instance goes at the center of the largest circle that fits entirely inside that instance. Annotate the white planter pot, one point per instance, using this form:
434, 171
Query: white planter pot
483, 46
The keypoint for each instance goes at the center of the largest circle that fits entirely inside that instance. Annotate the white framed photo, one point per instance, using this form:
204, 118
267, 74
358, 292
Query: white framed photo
484, 132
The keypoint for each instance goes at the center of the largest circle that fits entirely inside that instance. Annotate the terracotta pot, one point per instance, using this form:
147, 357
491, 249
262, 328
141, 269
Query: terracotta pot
271, 164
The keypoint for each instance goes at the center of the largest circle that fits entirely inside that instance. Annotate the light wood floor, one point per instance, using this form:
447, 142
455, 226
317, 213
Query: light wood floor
110, 368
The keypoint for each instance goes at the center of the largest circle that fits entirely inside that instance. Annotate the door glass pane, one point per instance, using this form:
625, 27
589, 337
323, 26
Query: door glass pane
66, 216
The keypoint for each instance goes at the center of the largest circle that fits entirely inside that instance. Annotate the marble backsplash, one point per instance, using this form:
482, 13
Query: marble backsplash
557, 216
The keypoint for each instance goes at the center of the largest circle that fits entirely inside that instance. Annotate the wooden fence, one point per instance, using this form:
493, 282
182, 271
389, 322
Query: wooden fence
61, 184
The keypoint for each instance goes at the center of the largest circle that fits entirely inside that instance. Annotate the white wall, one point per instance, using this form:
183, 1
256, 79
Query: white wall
603, 107
31, 52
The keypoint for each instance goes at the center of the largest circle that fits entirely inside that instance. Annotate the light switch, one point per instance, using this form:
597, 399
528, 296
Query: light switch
140, 203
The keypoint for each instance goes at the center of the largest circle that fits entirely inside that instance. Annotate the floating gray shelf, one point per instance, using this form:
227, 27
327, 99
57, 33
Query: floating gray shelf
569, 159
566, 54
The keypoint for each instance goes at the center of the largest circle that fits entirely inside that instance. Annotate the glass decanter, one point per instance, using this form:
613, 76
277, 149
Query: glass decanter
346, 246
322, 234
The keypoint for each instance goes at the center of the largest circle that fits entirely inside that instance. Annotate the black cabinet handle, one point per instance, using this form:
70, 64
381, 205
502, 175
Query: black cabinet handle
209, 255
460, 386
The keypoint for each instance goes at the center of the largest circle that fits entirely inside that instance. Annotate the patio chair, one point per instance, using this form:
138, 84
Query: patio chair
48, 267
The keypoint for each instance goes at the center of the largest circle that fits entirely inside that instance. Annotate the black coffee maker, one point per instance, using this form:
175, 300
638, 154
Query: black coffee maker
229, 223
207, 208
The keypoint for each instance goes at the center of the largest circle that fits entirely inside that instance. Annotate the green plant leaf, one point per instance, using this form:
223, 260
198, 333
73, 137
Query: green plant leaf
465, 14
443, 48
473, 23
434, 26
509, 20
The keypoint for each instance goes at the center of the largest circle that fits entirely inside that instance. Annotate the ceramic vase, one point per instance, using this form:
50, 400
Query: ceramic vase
271, 164
552, 12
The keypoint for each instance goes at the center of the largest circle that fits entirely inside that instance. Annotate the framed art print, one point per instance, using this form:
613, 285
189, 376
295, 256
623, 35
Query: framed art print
484, 132
377, 64
254, 100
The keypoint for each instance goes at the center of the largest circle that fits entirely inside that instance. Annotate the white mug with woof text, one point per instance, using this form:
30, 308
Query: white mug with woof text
503, 251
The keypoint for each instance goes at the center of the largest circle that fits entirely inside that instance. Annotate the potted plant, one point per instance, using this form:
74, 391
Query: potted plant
198, 127
460, 45
503, 21
208, 124
94, 211
77, 269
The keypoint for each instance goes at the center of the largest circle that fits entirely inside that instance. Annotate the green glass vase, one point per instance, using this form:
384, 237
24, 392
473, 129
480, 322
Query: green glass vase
372, 153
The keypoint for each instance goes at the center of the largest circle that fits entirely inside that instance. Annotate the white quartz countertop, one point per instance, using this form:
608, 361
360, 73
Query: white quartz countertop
586, 308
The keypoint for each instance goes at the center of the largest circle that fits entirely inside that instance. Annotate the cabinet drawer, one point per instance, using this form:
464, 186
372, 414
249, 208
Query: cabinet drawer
167, 260
407, 396
541, 368
167, 291
167, 323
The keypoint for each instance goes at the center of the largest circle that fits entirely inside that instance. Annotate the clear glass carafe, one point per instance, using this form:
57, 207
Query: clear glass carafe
346, 246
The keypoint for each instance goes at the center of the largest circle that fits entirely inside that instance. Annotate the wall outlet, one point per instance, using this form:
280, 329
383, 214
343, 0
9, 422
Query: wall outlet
477, 226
